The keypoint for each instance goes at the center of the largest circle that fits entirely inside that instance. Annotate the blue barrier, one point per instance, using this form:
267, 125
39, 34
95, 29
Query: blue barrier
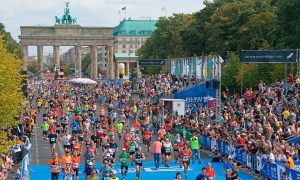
271, 170
294, 140
26, 160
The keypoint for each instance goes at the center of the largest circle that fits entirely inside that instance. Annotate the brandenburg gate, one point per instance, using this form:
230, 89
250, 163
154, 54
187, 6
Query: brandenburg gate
66, 32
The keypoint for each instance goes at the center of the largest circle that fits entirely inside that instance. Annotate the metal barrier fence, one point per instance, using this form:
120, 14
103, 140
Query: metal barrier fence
26, 162
273, 171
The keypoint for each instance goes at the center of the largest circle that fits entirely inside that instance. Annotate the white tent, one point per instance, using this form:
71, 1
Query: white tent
83, 81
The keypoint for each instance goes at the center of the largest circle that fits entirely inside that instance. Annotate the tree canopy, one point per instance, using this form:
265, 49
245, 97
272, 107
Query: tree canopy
226, 27
10, 44
11, 97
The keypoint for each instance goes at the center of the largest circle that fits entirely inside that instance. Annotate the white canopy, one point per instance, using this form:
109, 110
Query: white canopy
83, 81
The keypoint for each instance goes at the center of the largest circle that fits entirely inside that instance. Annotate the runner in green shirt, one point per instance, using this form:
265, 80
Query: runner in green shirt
119, 128
45, 128
132, 149
124, 157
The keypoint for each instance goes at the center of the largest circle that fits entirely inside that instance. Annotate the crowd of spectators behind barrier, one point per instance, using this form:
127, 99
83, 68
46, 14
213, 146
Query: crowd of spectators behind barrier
14, 154
260, 121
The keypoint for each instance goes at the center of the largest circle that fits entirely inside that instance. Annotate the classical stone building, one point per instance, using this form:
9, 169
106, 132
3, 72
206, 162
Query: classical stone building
107, 46
129, 36
69, 35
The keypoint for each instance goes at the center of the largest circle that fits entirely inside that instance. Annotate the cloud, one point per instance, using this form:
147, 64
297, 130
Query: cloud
16, 13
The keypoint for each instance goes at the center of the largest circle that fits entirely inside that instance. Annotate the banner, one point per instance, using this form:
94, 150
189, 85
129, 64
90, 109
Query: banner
198, 68
196, 95
269, 56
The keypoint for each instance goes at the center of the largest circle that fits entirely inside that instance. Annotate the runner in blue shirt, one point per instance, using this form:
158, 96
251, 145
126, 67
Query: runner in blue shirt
227, 165
75, 127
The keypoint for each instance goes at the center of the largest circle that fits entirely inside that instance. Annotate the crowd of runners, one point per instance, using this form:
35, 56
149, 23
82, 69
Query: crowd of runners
101, 119
89, 120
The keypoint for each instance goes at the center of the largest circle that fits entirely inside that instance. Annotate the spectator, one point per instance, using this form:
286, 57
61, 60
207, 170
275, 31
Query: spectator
203, 175
156, 149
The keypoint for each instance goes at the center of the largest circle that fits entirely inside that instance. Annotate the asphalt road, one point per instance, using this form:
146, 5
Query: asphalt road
41, 152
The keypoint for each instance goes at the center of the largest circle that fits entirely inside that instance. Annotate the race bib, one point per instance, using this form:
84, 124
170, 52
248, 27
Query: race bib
75, 165
138, 160
185, 158
112, 150
168, 149
123, 160
55, 167
111, 133
52, 139
147, 136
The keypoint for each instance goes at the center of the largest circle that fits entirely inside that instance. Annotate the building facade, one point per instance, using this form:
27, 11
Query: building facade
130, 35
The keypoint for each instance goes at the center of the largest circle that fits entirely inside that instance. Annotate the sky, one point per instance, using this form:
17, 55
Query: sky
102, 13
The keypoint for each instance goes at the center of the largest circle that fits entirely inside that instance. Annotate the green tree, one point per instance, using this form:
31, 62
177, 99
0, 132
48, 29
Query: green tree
32, 66
194, 36
10, 44
11, 97
230, 72
242, 24
165, 41
288, 24
86, 62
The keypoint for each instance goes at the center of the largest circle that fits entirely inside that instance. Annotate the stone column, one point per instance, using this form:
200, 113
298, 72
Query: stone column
40, 54
94, 62
56, 55
117, 70
127, 69
25, 57
107, 61
111, 60
78, 61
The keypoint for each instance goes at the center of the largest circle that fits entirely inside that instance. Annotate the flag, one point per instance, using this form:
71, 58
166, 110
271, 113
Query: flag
124, 8
205, 67
199, 67
163, 8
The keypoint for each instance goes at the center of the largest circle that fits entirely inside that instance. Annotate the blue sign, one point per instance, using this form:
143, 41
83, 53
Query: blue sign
294, 140
269, 56
196, 95
152, 62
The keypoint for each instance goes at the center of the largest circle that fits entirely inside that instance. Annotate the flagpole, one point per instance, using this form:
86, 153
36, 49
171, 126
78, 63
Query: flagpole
120, 17
125, 13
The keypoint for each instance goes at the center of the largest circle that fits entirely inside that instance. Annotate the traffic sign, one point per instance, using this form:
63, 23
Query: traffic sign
269, 56
152, 62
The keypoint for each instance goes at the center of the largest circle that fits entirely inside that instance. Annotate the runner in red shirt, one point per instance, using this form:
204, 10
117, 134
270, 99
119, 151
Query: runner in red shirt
147, 135
185, 158
127, 137
104, 123
180, 146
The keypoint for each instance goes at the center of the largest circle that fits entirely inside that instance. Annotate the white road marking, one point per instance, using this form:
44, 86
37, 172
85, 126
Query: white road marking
165, 169
36, 146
